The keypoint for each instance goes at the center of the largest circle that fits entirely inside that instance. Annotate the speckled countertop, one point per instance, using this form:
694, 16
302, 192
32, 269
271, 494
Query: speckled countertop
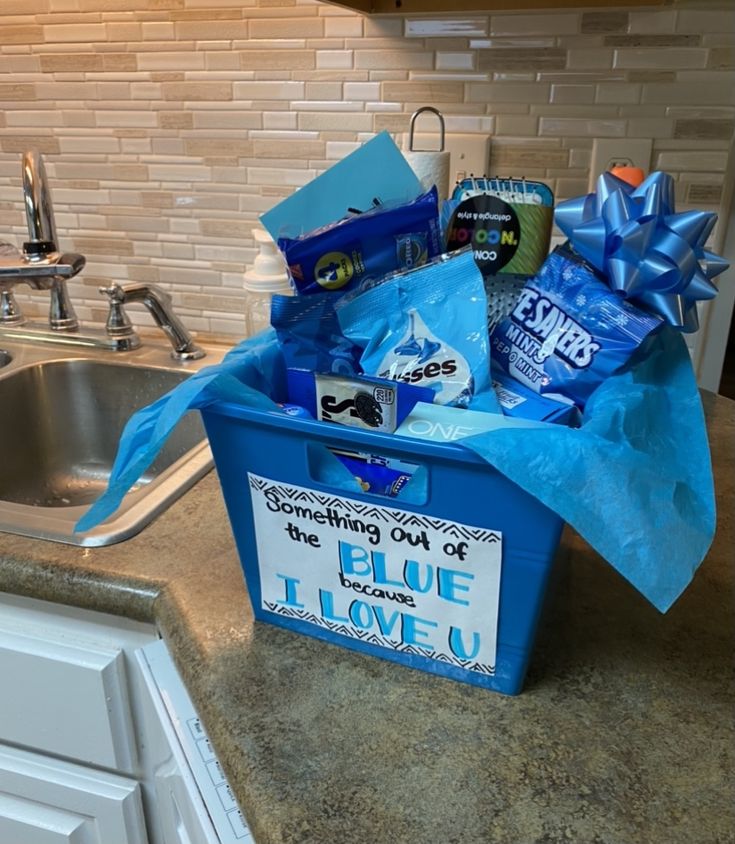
624, 732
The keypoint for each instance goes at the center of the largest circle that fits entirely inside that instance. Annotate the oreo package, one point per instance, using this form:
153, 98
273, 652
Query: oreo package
374, 404
365, 247
568, 331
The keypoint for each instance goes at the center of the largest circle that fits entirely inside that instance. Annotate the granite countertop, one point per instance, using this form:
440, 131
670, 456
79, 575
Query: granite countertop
623, 734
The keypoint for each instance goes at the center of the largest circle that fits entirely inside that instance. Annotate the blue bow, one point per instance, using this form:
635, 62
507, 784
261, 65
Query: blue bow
648, 253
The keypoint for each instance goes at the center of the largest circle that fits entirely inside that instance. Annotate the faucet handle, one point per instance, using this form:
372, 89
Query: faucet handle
118, 322
114, 292
10, 313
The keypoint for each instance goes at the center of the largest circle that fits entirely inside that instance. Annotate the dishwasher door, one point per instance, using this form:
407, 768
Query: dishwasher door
195, 804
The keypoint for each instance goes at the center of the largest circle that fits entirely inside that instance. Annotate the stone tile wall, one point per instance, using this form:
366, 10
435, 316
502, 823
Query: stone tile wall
168, 126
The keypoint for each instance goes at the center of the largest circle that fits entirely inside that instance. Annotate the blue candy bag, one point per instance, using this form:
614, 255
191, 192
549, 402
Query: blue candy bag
568, 331
310, 335
427, 327
364, 247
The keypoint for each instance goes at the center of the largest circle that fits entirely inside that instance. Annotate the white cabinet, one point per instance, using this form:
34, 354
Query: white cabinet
68, 693
99, 741
68, 698
50, 801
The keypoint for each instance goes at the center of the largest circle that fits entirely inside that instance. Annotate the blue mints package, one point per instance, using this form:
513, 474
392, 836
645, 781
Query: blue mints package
374, 404
568, 331
427, 327
364, 247
310, 336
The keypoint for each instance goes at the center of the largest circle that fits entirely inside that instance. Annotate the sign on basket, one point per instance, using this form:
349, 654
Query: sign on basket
392, 578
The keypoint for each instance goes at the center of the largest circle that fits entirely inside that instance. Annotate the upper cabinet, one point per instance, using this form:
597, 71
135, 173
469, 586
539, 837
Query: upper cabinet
407, 7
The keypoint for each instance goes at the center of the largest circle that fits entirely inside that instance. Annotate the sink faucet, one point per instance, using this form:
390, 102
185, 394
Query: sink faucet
43, 267
40, 264
158, 302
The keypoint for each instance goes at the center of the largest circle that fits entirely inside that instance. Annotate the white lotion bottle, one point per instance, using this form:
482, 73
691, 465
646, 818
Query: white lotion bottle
267, 276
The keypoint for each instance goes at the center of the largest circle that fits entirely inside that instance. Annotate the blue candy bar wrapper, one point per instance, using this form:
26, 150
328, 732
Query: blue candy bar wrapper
568, 332
370, 403
364, 248
310, 335
376, 474
634, 480
428, 328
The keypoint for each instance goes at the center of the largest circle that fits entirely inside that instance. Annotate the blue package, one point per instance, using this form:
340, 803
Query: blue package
310, 336
364, 247
374, 404
568, 331
374, 473
518, 402
427, 327
295, 410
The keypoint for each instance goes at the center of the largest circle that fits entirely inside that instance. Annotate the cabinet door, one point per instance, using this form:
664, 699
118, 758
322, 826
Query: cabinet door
47, 801
66, 698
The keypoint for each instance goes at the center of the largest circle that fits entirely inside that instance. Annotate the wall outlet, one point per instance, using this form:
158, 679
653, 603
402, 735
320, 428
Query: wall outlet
467, 153
610, 152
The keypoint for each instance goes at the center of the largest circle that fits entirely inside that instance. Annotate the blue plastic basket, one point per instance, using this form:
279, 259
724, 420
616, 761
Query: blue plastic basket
262, 456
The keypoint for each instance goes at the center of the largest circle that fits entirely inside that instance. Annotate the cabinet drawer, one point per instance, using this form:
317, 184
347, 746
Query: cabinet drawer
66, 698
48, 801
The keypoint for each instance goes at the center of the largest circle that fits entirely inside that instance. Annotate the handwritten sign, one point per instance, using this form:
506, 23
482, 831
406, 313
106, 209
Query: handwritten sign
404, 581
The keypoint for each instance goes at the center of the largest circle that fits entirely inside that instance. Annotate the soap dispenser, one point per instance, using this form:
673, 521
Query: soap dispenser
267, 276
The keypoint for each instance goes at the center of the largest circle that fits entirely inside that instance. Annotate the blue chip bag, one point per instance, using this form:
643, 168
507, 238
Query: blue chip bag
568, 331
310, 336
427, 327
365, 247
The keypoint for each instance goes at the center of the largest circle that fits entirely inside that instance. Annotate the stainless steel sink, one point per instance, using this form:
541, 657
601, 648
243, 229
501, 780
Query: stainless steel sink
60, 422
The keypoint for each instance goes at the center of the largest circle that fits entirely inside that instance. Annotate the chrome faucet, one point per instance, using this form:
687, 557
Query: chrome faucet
43, 267
40, 264
158, 302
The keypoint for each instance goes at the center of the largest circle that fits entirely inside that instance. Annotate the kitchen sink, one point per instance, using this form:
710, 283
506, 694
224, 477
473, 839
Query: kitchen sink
60, 422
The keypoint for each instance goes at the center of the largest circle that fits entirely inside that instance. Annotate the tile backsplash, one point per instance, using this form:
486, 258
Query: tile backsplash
168, 126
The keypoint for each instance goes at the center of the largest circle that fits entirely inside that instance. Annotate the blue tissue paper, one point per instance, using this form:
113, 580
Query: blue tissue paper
246, 375
634, 480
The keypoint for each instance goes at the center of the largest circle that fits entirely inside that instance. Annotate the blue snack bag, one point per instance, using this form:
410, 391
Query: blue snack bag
364, 247
568, 331
427, 327
310, 336
376, 474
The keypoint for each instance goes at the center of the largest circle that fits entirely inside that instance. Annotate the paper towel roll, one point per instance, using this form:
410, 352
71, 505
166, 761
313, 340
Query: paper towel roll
432, 168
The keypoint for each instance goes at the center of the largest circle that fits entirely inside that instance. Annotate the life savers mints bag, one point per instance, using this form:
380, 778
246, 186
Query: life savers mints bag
364, 247
568, 332
309, 334
427, 327
374, 404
